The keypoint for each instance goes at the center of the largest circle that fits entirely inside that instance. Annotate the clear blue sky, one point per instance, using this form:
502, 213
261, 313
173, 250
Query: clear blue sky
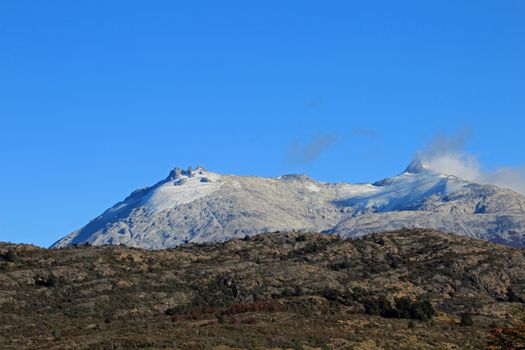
98, 98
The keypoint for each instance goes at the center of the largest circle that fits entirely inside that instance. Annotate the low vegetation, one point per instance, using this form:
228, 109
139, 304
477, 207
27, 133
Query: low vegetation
411, 289
404, 308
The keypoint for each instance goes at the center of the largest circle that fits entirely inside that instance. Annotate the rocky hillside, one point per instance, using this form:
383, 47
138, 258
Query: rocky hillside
411, 289
201, 206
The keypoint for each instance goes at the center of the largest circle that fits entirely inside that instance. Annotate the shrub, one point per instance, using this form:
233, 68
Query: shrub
298, 291
10, 256
49, 282
507, 338
513, 297
199, 312
422, 310
379, 307
404, 308
466, 320
288, 292
392, 261
171, 311
249, 320
52, 281
331, 294
257, 306
343, 265
195, 313
310, 248
207, 309
177, 318
359, 293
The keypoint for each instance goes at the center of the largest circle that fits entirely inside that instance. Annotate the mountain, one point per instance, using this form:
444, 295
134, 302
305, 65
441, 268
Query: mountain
399, 290
202, 206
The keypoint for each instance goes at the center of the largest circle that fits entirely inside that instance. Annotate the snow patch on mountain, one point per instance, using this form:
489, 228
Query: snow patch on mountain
403, 190
182, 190
202, 206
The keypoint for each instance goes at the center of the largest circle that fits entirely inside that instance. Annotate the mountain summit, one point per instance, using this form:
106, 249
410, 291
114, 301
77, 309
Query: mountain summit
415, 167
196, 205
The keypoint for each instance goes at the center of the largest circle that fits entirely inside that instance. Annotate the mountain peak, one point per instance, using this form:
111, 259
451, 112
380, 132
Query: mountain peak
201, 206
416, 167
296, 177
177, 172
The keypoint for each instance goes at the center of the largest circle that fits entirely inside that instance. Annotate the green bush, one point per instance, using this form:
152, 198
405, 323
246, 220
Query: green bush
331, 294
171, 311
343, 265
422, 310
298, 291
49, 282
404, 308
10, 256
513, 297
379, 307
466, 320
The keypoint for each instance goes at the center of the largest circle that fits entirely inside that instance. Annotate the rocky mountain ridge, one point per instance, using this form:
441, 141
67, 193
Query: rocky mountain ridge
196, 205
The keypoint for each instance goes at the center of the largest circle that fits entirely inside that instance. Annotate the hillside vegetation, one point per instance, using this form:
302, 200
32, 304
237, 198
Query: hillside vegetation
410, 289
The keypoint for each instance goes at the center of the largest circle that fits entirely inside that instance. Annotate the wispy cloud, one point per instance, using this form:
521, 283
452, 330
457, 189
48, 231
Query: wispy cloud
314, 103
362, 132
448, 155
306, 152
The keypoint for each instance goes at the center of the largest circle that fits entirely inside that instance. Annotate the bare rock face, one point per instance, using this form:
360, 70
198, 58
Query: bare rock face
196, 205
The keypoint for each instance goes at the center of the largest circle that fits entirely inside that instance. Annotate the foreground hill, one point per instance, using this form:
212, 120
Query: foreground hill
201, 206
411, 289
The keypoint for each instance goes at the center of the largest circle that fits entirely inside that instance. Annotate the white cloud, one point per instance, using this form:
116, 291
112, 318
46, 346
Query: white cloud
448, 155
304, 153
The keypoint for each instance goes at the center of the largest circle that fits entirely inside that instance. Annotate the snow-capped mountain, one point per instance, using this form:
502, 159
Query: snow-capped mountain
202, 206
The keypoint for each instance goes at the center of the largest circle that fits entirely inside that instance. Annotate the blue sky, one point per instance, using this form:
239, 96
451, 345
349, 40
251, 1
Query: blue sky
98, 98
